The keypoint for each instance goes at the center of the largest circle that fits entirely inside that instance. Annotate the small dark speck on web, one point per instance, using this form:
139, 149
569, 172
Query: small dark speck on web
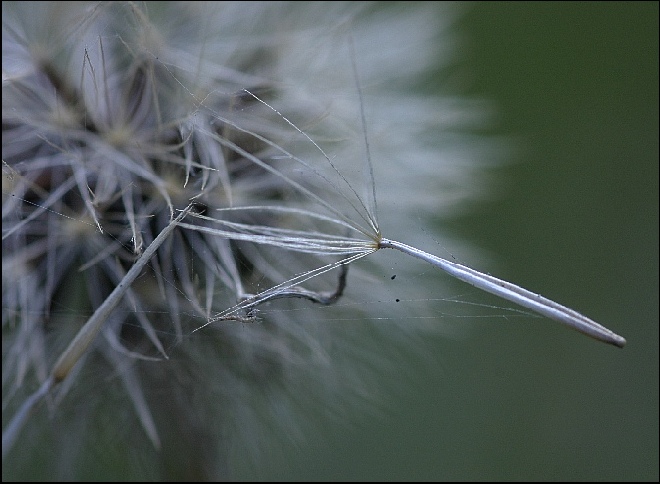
393, 277
397, 300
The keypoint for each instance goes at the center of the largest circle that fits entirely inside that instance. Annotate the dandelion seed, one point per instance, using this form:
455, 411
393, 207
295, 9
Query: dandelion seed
308, 241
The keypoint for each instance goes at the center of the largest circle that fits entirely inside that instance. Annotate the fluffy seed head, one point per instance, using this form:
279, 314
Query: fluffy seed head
115, 115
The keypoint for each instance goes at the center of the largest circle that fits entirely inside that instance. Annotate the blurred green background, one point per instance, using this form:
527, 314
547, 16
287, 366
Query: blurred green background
575, 214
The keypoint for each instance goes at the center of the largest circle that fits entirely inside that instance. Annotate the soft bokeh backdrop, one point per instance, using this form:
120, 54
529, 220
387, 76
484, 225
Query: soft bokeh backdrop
575, 216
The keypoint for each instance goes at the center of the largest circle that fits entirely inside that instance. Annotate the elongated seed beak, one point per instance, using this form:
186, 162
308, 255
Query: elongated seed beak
513, 293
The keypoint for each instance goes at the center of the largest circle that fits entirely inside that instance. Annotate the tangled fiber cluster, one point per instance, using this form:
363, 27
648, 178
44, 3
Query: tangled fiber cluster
116, 116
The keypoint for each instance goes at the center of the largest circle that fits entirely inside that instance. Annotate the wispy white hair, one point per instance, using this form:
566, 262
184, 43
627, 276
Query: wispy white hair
115, 115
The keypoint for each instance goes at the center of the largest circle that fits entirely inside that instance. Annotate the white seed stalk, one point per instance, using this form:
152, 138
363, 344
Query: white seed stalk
513, 293
84, 338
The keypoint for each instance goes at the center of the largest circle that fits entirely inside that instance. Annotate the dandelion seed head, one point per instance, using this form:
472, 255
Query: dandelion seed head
117, 114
